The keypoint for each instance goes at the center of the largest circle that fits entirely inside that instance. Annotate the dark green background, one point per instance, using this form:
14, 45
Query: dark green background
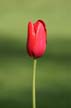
53, 79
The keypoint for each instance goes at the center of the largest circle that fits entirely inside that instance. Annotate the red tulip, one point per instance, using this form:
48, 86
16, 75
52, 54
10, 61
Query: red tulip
36, 42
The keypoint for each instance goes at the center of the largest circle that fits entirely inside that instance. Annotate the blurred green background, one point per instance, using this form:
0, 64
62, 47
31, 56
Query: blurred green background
53, 69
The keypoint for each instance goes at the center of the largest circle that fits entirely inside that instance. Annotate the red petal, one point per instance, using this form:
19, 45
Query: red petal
31, 38
40, 44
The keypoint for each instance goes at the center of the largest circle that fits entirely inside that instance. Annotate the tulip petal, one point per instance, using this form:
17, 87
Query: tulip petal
31, 38
40, 44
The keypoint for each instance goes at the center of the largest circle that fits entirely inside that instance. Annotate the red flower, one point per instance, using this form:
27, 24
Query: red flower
36, 42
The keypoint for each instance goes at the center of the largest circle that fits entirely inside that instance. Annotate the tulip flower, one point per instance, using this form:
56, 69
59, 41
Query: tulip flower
36, 42
36, 46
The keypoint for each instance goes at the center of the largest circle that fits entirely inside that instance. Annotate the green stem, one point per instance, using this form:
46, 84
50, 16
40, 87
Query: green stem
34, 80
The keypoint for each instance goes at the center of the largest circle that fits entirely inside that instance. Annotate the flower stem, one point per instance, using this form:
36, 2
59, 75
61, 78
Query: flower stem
34, 81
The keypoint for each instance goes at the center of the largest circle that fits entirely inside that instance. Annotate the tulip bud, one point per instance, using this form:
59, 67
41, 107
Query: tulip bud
36, 41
